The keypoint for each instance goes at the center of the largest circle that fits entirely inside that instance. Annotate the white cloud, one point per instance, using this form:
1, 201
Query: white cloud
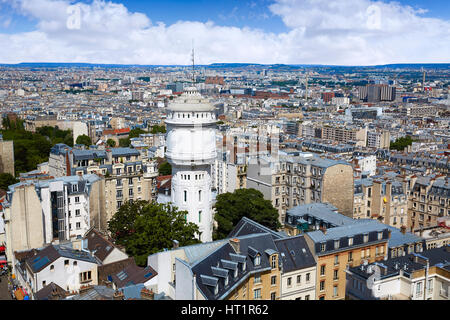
351, 32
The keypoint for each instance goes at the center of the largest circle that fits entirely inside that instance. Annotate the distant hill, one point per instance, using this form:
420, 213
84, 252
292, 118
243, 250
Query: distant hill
417, 66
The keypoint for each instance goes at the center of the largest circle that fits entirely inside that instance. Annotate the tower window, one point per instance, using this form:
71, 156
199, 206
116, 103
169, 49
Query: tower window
200, 195
185, 195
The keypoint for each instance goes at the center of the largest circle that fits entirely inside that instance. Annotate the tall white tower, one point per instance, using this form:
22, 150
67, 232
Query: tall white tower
191, 150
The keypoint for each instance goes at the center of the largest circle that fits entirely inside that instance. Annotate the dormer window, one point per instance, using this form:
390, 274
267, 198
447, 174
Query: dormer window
366, 238
258, 260
336, 244
75, 188
380, 235
350, 241
322, 247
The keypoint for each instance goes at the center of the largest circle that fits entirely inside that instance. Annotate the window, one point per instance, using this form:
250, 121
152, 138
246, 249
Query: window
366, 238
78, 225
308, 277
119, 204
336, 274
130, 192
350, 256
75, 188
185, 195
419, 288
77, 213
52, 268
335, 291
273, 280
257, 260
85, 276
257, 294
322, 285
322, 246
299, 279
274, 262
66, 263
289, 281
273, 296
380, 235
200, 216
77, 199
336, 244
130, 181
336, 259
322, 270
307, 297
200, 196
350, 241
258, 278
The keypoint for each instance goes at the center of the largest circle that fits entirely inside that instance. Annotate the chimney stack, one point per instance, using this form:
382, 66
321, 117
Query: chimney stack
176, 244
403, 229
236, 244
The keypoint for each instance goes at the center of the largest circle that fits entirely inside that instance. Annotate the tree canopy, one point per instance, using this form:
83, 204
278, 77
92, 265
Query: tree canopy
111, 143
401, 143
250, 203
158, 129
136, 132
30, 148
84, 139
124, 143
6, 179
145, 228
165, 169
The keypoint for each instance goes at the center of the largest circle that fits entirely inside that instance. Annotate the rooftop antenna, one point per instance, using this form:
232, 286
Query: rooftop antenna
193, 63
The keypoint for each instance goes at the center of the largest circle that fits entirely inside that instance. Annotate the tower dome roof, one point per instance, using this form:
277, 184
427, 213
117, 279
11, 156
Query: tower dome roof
191, 101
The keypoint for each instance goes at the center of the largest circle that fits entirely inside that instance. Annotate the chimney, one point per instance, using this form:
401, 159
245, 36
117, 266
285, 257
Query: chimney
147, 294
118, 295
236, 244
176, 244
324, 230
403, 229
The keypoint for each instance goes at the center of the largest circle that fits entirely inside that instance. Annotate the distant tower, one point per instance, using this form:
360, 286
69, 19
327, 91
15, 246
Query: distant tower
191, 150
306, 92
423, 80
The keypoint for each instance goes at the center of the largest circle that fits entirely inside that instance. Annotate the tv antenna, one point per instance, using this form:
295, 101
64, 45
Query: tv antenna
193, 63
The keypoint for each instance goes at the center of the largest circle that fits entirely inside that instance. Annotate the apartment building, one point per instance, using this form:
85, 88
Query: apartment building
379, 139
362, 198
389, 202
125, 175
295, 180
341, 247
244, 268
429, 200
424, 276
344, 134
39, 212
298, 269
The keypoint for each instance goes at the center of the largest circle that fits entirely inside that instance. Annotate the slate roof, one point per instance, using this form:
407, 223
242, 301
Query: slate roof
247, 226
295, 254
439, 257
224, 257
88, 154
51, 253
50, 292
132, 274
98, 244
106, 270
319, 211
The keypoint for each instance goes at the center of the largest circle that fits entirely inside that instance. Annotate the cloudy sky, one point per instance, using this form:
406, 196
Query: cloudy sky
337, 32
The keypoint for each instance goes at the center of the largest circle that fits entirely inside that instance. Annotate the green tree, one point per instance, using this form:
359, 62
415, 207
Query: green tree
158, 129
7, 179
84, 139
136, 132
111, 143
401, 143
250, 203
144, 228
125, 142
165, 169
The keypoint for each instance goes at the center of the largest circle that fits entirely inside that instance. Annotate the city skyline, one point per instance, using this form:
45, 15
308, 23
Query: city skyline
355, 32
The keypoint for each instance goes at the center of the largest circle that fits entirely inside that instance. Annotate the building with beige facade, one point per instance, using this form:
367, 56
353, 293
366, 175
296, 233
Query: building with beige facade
295, 180
6, 156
